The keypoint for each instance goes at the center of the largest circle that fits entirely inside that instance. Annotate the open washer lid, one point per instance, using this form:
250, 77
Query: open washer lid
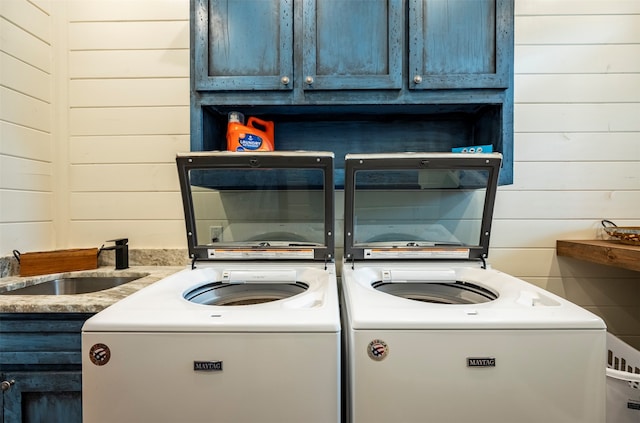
419, 205
264, 206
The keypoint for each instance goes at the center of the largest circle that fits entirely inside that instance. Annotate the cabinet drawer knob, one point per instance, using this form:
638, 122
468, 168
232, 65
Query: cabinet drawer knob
417, 79
5, 385
285, 80
309, 80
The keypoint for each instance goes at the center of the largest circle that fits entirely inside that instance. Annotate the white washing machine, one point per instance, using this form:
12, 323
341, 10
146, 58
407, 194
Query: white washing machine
432, 333
251, 331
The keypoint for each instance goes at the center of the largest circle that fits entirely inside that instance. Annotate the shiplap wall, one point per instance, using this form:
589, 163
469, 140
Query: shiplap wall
27, 126
577, 151
121, 113
128, 116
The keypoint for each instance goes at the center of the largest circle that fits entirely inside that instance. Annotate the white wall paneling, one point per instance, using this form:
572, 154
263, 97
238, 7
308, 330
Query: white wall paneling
26, 139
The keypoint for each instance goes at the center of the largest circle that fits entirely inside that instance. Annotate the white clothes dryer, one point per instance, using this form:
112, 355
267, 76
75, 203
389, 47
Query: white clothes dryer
251, 331
432, 333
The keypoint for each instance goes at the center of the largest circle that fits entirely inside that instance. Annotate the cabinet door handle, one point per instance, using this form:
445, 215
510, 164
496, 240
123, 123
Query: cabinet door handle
309, 80
285, 80
417, 79
5, 385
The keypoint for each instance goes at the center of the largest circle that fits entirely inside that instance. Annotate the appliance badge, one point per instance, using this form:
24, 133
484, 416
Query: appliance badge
481, 362
99, 354
377, 350
207, 366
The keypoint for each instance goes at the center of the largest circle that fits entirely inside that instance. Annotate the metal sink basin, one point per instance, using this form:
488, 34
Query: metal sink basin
73, 285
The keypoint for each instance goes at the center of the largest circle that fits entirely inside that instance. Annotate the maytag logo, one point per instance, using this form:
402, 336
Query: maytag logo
207, 366
481, 362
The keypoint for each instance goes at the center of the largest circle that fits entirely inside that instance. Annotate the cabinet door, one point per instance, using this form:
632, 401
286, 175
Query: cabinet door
460, 43
355, 44
242, 44
52, 397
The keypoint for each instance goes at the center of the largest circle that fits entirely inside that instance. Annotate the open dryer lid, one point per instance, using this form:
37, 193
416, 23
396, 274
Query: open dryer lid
264, 206
419, 205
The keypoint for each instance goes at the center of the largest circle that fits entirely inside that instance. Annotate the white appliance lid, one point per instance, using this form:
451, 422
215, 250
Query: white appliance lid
258, 206
419, 205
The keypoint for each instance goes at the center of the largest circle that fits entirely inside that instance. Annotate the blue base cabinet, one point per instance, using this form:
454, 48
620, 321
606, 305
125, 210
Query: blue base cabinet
356, 76
47, 396
40, 361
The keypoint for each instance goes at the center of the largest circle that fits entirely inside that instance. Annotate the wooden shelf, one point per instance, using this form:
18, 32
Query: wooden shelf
610, 253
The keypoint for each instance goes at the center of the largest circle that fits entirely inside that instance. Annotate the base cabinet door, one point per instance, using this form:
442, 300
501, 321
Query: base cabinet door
36, 397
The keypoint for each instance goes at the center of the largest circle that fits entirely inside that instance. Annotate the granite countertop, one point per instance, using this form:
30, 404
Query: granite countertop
78, 303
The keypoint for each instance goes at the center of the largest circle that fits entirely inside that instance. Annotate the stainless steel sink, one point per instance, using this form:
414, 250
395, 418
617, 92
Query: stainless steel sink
73, 285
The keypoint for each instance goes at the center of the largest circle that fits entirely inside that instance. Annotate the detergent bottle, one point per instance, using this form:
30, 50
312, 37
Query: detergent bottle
256, 135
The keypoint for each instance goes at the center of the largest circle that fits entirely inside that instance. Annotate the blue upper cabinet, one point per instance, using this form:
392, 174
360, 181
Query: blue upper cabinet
355, 44
248, 45
242, 44
354, 76
459, 43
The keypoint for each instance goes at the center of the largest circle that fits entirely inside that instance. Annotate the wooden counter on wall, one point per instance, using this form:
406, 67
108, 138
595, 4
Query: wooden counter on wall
609, 252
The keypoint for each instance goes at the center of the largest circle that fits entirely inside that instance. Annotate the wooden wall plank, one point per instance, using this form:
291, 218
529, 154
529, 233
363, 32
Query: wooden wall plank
527, 263
26, 111
576, 59
26, 206
140, 149
25, 174
23, 236
142, 234
590, 205
570, 7
137, 35
543, 233
578, 29
608, 147
565, 88
129, 92
581, 117
124, 178
587, 291
19, 43
44, 5
574, 176
129, 121
20, 141
126, 206
127, 10
24, 78
29, 17
129, 64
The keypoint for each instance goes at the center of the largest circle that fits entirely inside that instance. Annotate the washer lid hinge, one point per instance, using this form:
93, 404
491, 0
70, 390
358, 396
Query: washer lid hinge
193, 262
484, 262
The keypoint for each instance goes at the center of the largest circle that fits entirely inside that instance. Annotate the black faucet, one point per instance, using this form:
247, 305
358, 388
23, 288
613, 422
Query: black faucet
122, 252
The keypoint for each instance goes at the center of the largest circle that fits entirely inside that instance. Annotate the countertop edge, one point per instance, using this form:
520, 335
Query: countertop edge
79, 303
